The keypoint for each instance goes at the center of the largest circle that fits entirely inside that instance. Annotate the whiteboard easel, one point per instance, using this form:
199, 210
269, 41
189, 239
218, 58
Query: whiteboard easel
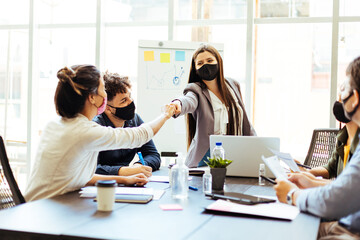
163, 72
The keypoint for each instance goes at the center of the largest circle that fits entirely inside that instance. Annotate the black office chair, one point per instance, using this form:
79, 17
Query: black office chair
10, 194
321, 147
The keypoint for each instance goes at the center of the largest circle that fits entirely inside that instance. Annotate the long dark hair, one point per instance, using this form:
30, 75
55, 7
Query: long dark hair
230, 103
74, 86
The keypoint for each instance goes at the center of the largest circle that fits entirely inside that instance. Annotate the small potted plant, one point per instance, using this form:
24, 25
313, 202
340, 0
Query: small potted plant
218, 171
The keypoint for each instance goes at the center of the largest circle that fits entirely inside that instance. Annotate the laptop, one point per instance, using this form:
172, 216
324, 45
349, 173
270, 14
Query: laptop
246, 152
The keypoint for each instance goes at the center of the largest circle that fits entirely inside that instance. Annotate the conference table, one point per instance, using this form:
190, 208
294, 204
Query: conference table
70, 217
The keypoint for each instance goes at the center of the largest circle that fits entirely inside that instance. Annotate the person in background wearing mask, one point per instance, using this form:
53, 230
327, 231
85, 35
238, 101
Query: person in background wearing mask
212, 103
347, 141
340, 199
120, 112
67, 153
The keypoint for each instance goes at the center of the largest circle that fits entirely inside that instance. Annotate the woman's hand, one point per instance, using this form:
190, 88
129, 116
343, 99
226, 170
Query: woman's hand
139, 179
169, 110
134, 169
177, 105
282, 188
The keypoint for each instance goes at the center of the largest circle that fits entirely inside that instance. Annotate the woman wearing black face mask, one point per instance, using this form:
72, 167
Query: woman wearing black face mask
120, 112
347, 141
213, 105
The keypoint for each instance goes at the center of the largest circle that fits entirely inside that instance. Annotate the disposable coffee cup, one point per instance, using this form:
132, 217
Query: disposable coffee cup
105, 194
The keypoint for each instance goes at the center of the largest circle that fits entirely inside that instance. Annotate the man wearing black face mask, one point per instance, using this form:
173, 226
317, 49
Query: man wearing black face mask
120, 112
347, 141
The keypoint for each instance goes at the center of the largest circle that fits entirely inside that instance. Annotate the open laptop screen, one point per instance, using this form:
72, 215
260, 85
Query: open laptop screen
246, 152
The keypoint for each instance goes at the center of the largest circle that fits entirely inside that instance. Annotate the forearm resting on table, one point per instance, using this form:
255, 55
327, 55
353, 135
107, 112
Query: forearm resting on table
97, 177
320, 171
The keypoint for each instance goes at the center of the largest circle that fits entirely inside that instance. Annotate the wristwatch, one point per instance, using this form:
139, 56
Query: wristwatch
289, 196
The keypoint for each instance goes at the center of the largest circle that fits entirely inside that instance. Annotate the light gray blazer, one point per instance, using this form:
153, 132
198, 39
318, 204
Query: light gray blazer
197, 101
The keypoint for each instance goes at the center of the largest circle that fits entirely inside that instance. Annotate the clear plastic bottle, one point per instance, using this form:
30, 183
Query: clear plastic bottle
218, 151
207, 181
261, 172
179, 179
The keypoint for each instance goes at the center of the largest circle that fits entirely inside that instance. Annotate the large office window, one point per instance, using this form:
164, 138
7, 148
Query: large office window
13, 97
280, 51
292, 84
294, 8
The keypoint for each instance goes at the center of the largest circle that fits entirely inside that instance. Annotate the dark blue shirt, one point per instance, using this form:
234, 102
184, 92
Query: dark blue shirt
109, 162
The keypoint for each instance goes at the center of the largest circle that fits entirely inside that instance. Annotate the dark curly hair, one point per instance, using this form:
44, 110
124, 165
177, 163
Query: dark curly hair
353, 70
115, 83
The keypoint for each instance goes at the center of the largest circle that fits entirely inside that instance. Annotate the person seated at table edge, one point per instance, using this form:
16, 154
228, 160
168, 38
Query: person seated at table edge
347, 141
66, 159
120, 112
339, 199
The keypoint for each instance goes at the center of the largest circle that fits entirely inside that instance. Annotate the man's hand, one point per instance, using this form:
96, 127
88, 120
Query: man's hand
138, 179
303, 180
282, 188
136, 168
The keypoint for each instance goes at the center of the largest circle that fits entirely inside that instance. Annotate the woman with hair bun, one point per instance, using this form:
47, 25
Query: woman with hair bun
67, 153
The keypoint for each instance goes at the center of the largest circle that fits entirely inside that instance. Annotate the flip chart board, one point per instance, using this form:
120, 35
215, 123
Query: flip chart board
163, 71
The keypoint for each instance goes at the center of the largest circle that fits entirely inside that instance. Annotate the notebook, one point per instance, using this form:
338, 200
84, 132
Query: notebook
246, 152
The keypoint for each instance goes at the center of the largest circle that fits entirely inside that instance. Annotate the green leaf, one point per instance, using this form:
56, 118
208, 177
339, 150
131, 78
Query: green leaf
218, 162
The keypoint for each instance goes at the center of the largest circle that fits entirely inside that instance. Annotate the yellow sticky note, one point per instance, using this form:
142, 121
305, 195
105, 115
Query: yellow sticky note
148, 55
164, 57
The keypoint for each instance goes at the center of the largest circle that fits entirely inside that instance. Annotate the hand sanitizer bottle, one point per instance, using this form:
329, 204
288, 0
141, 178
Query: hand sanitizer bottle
207, 181
261, 172
179, 179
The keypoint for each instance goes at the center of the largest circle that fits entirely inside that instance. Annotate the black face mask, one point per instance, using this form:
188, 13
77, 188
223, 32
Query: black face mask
349, 115
208, 72
125, 113
339, 113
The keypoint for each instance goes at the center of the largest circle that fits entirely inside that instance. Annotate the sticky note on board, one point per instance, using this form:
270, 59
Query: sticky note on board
148, 56
164, 57
180, 56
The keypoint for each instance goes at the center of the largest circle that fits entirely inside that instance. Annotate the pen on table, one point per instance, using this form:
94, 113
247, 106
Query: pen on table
302, 165
141, 158
193, 188
268, 179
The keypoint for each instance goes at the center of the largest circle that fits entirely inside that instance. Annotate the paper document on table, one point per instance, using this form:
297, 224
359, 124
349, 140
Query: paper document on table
271, 210
274, 165
91, 191
286, 157
164, 179
158, 193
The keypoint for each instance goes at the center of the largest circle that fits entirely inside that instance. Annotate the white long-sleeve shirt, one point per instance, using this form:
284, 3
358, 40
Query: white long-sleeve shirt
68, 150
